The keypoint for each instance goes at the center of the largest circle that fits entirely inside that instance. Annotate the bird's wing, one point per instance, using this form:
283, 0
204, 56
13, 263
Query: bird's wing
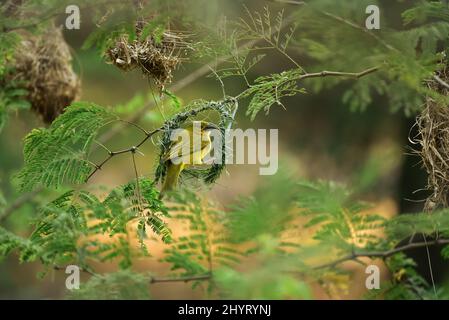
176, 149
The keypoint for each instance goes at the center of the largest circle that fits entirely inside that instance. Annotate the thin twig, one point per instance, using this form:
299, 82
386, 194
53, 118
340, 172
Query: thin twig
130, 149
134, 125
19, 202
351, 257
139, 203
201, 277
56, 267
219, 79
206, 276
441, 81
430, 266
355, 75
135, 148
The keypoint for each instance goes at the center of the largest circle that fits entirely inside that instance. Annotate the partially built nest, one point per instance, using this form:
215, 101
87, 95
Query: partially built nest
43, 64
226, 110
156, 57
433, 136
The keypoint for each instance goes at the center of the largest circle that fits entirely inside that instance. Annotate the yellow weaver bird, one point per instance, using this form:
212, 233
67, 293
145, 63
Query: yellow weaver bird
194, 145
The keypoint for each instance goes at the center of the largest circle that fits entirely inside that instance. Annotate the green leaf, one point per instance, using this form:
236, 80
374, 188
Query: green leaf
173, 98
269, 90
59, 155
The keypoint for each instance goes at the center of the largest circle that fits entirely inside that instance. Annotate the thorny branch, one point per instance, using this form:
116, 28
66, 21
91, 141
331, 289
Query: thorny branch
132, 149
149, 134
351, 257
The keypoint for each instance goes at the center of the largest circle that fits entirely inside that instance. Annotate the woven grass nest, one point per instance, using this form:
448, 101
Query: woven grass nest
43, 64
433, 137
210, 173
156, 57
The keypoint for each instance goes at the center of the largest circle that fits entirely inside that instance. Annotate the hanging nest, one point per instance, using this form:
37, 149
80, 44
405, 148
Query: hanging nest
211, 173
433, 137
43, 64
155, 56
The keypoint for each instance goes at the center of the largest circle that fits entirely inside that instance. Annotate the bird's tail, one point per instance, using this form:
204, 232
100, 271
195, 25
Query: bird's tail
172, 177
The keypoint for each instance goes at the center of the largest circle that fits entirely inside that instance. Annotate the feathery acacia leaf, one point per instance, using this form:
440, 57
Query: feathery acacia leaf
59, 155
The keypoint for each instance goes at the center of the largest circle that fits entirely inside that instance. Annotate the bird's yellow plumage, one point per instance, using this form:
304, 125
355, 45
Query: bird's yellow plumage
196, 142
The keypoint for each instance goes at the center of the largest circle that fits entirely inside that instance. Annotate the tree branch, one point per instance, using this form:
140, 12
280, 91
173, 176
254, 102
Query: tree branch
200, 277
351, 257
132, 149
381, 254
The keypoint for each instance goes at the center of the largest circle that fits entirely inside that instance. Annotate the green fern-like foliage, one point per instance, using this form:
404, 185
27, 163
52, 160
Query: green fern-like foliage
9, 242
205, 246
59, 226
268, 27
342, 222
269, 90
59, 155
418, 223
144, 203
70, 229
405, 284
259, 27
